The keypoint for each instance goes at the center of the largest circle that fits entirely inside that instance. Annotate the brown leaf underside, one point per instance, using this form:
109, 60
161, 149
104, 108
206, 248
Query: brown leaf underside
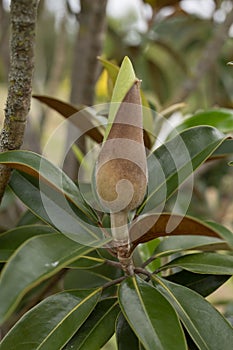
155, 226
67, 110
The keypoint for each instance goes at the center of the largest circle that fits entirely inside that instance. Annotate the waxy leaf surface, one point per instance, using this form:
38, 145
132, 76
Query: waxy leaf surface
51, 324
151, 317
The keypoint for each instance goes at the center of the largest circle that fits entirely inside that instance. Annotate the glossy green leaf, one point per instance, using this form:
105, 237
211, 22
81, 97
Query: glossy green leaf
41, 168
173, 162
87, 261
202, 284
207, 263
51, 207
207, 327
152, 226
84, 279
51, 324
98, 328
223, 232
81, 118
171, 245
33, 262
28, 218
92, 277
221, 118
146, 252
224, 150
108, 271
125, 80
126, 338
150, 315
12, 239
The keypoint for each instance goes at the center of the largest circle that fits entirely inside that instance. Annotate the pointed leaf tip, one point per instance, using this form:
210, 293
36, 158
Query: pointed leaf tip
125, 80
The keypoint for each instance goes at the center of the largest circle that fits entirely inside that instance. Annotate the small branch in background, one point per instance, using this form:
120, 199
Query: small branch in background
89, 43
58, 66
59, 59
23, 22
206, 61
92, 23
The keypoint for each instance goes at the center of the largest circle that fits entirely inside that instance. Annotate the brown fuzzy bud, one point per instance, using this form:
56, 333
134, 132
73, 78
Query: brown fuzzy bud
121, 172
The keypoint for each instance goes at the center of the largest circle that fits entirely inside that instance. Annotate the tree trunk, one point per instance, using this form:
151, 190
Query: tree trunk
23, 21
92, 23
4, 38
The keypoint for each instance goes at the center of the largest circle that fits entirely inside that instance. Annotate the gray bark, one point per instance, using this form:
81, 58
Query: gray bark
23, 21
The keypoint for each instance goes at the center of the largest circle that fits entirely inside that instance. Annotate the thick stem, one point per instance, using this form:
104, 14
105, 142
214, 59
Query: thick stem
119, 225
120, 233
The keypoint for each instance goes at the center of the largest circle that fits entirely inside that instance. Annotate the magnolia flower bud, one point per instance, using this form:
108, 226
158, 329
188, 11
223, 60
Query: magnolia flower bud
121, 172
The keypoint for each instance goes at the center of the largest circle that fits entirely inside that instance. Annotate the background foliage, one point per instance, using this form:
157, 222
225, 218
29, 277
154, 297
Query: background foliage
182, 59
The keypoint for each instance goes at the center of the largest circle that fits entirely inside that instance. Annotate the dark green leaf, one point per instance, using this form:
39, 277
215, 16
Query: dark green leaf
83, 279
207, 263
51, 207
202, 284
108, 271
146, 252
224, 150
33, 262
91, 278
28, 218
39, 167
206, 326
51, 324
150, 316
173, 162
223, 232
126, 338
171, 245
12, 239
98, 328
88, 261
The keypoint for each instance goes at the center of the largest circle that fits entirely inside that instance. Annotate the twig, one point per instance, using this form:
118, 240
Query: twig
112, 283
148, 261
142, 271
113, 263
